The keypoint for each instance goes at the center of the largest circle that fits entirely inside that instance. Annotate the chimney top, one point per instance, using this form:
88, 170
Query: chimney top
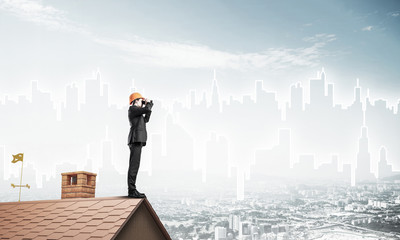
80, 184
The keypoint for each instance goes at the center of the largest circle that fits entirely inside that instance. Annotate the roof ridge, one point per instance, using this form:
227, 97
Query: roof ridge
66, 200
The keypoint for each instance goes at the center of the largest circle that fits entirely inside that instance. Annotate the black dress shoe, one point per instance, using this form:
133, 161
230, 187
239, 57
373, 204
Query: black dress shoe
139, 193
135, 195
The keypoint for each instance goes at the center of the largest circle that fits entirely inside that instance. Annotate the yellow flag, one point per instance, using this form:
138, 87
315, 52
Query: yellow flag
18, 157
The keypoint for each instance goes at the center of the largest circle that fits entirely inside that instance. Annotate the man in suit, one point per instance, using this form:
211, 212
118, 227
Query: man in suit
137, 138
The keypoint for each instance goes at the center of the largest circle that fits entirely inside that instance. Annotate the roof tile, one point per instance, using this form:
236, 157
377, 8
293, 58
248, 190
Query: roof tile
83, 236
53, 226
111, 219
100, 215
106, 209
44, 223
78, 226
100, 233
62, 229
68, 223
55, 235
96, 222
36, 220
84, 219
105, 226
80, 210
117, 212
41, 238
37, 229
109, 236
126, 204
59, 219
22, 233
7, 235
71, 233
31, 235
46, 232
90, 212
66, 214
67, 238
89, 229
61, 204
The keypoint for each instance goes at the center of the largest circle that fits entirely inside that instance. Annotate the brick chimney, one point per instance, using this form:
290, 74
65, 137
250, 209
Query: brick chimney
79, 184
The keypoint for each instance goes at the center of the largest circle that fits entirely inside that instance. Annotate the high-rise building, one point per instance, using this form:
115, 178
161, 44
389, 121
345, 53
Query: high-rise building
384, 169
108, 176
330, 95
42, 103
244, 229
71, 93
94, 95
357, 92
296, 97
265, 228
363, 170
236, 222
220, 233
215, 102
217, 157
230, 221
317, 90
192, 98
254, 231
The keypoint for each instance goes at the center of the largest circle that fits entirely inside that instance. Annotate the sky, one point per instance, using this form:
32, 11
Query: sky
171, 47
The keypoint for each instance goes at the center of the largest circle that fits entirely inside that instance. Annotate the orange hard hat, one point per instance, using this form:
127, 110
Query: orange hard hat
134, 96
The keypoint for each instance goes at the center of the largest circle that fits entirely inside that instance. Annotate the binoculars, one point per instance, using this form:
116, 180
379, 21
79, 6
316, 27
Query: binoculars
143, 102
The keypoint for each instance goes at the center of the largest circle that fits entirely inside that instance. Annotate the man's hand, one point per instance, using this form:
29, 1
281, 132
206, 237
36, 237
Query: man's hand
148, 103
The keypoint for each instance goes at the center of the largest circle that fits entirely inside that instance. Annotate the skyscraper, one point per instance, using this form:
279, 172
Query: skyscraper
72, 103
94, 95
220, 233
317, 90
244, 229
296, 97
215, 102
363, 170
217, 157
384, 169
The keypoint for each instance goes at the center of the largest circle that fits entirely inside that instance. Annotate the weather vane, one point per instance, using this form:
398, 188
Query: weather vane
17, 158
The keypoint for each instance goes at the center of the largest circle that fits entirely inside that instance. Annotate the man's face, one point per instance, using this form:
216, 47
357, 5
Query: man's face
138, 103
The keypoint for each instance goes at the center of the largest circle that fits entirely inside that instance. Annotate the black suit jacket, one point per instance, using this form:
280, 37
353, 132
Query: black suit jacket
138, 132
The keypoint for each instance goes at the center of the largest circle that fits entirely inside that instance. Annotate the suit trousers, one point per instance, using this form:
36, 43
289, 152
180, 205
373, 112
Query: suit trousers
134, 162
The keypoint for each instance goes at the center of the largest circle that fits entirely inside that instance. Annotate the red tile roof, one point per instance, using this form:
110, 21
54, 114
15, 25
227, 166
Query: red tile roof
76, 218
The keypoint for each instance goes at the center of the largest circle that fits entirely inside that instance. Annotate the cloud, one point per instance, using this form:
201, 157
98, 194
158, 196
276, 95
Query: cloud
34, 11
183, 55
367, 28
394, 14
321, 37
172, 54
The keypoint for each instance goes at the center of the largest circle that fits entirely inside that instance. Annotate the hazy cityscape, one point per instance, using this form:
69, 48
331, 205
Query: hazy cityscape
252, 170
